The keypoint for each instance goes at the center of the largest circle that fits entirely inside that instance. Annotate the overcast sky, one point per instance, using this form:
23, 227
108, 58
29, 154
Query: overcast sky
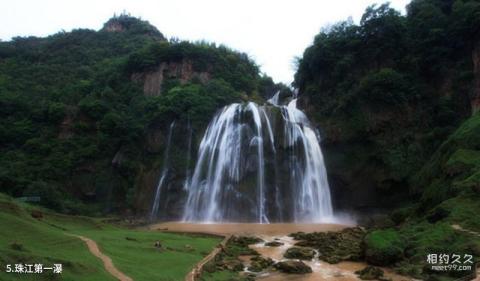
272, 32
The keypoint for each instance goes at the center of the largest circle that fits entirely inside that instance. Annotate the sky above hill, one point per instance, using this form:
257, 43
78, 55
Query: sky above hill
272, 32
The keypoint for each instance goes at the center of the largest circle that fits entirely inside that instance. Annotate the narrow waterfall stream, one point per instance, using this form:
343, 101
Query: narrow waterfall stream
259, 164
163, 175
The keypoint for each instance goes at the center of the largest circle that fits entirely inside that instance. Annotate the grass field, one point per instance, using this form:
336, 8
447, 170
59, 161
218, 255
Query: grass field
24, 239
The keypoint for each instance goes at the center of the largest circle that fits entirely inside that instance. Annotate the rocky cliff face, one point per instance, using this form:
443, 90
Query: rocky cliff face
476, 71
360, 150
178, 163
114, 27
182, 71
127, 23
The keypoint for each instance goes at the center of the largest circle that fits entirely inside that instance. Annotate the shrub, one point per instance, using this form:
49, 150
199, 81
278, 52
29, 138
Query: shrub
384, 87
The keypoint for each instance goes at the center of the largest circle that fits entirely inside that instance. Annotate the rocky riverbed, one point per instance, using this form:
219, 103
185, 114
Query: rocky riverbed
301, 252
293, 262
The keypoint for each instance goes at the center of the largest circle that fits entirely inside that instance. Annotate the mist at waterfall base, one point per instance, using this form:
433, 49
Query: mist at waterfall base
256, 164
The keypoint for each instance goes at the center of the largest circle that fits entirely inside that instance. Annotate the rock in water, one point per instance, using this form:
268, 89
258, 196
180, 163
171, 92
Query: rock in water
302, 253
259, 263
334, 247
273, 244
245, 240
370, 273
296, 267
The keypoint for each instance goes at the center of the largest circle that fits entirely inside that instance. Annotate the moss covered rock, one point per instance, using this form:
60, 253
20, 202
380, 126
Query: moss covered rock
383, 247
296, 267
245, 240
302, 253
274, 244
259, 263
334, 247
238, 245
370, 273
233, 265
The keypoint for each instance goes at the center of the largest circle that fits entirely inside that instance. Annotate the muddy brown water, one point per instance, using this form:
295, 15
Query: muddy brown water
322, 271
245, 228
343, 271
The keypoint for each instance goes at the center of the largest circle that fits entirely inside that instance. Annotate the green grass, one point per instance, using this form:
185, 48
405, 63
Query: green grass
463, 161
383, 238
43, 244
464, 211
423, 238
142, 261
383, 247
46, 241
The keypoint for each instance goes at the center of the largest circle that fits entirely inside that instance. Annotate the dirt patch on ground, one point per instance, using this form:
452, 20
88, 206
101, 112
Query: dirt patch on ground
107, 261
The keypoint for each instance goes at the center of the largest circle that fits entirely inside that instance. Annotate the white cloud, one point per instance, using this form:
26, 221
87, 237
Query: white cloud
271, 32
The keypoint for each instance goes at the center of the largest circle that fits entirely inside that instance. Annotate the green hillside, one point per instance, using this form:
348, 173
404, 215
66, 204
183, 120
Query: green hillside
48, 239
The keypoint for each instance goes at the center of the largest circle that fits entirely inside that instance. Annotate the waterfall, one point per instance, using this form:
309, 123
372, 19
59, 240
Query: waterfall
163, 175
275, 99
259, 164
313, 200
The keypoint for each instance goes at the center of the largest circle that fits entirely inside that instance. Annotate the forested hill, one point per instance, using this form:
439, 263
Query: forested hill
388, 91
397, 99
84, 114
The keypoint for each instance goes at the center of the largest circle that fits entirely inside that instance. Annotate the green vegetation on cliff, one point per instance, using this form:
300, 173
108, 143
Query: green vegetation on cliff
78, 110
392, 87
394, 97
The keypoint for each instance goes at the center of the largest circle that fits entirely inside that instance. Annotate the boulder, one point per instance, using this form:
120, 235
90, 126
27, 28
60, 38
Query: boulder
334, 247
238, 245
233, 265
259, 263
16, 246
370, 273
296, 267
36, 214
273, 244
302, 253
245, 240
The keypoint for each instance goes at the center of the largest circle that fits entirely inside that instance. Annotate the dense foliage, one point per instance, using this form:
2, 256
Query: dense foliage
69, 105
397, 84
393, 95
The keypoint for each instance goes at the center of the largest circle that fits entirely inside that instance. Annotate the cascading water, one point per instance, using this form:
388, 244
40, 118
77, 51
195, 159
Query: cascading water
275, 99
163, 175
259, 164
